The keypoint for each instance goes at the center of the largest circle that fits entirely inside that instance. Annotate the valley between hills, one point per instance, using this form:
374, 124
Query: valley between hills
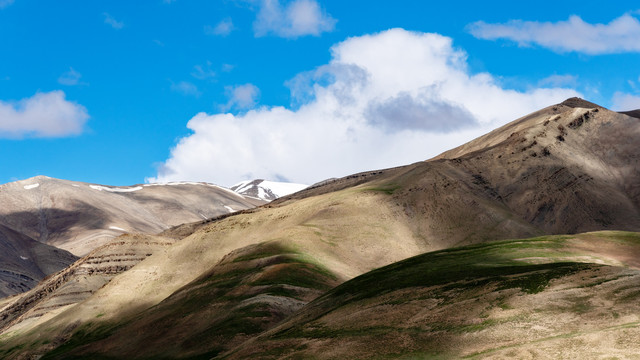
523, 243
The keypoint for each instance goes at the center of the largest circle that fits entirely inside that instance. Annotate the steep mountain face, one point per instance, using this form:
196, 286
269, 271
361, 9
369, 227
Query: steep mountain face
24, 261
568, 168
81, 279
43, 219
564, 169
266, 190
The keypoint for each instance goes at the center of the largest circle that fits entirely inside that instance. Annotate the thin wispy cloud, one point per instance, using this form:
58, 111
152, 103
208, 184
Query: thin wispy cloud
42, 115
223, 28
70, 78
383, 99
556, 80
295, 19
109, 20
573, 35
624, 102
241, 97
185, 88
203, 72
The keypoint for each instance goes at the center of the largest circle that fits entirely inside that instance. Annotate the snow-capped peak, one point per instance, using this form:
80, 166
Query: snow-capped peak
266, 190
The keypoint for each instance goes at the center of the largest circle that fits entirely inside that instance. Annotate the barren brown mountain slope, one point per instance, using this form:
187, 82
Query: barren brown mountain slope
79, 280
564, 169
80, 217
24, 261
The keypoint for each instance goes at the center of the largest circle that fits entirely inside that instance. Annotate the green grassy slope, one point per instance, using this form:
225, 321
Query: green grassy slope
564, 295
249, 291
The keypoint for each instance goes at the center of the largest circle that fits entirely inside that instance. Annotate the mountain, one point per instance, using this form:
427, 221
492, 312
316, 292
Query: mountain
266, 190
253, 283
43, 221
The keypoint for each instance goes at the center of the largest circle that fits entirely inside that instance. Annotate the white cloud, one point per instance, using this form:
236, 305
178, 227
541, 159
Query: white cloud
559, 80
70, 77
185, 88
108, 19
42, 115
383, 100
297, 18
203, 72
5, 3
241, 96
618, 36
224, 28
625, 102
227, 67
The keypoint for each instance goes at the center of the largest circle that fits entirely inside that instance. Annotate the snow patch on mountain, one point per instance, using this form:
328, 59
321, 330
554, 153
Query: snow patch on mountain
266, 190
176, 183
114, 189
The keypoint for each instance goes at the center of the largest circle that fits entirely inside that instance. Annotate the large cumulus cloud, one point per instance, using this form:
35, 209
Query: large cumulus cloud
383, 100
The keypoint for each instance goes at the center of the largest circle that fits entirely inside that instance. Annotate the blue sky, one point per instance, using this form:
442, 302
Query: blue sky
121, 92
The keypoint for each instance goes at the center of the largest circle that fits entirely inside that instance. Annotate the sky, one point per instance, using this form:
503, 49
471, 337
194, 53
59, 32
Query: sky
120, 92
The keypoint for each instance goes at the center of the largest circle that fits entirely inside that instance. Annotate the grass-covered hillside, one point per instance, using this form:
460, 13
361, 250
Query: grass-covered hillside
249, 291
546, 297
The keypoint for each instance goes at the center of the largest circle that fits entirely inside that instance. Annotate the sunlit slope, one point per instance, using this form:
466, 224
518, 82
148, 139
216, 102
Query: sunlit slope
548, 297
249, 291
78, 281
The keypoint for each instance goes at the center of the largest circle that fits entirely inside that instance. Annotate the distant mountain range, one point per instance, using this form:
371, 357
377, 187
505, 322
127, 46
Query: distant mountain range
46, 223
413, 261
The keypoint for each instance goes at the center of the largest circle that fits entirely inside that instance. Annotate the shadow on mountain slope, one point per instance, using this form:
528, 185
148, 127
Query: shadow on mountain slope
556, 296
249, 291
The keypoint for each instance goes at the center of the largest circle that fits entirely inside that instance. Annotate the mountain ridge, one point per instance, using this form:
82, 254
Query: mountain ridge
266, 190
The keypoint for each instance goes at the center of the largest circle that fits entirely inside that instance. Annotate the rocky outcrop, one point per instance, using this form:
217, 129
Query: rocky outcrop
80, 280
